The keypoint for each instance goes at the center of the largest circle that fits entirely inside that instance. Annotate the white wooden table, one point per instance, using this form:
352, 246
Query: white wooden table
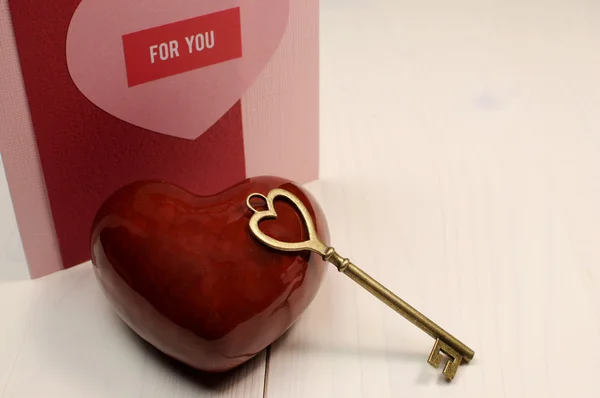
460, 166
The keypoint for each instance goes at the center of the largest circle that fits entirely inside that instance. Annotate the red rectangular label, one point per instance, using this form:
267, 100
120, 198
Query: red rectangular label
182, 46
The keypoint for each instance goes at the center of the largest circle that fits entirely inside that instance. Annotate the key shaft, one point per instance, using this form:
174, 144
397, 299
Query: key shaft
397, 304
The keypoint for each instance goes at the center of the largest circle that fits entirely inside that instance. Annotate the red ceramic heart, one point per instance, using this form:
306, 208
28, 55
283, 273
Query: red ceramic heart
183, 105
186, 274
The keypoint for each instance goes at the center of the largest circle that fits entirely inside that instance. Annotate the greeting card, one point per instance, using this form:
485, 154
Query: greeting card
101, 93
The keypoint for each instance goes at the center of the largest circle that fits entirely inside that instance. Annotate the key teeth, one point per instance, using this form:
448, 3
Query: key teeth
435, 358
451, 368
454, 359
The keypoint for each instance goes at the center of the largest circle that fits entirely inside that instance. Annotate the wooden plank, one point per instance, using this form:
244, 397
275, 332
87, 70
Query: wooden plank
60, 337
461, 166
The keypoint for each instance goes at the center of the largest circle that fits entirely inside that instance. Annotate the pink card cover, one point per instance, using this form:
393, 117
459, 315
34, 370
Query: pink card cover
102, 93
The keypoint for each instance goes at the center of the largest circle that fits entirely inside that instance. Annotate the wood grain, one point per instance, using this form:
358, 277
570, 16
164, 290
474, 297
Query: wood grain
61, 338
461, 170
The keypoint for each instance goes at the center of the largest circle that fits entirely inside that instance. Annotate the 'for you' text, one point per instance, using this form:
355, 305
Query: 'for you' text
175, 48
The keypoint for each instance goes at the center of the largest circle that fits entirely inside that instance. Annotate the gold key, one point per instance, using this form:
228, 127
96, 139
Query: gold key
445, 343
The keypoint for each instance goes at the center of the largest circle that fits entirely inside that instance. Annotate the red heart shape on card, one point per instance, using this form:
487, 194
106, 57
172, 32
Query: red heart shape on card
171, 67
